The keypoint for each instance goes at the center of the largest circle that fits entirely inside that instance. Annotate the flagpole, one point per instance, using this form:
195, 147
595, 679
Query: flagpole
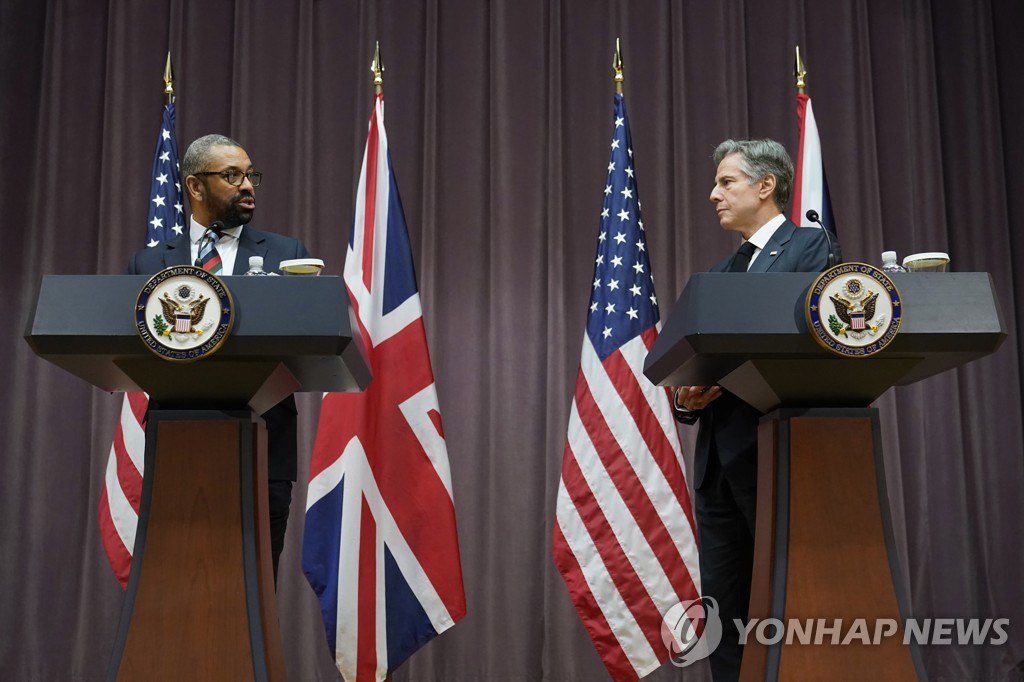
169, 80
622, 609
800, 73
810, 188
354, 598
617, 68
377, 66
119, 500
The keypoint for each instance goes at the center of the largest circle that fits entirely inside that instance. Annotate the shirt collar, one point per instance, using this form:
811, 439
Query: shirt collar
766, 231
196, 231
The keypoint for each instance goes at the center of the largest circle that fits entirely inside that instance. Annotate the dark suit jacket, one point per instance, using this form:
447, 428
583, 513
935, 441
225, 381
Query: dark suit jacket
280, 419
273, 247
728, 426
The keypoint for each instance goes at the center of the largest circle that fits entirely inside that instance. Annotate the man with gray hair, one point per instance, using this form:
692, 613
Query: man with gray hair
753, 184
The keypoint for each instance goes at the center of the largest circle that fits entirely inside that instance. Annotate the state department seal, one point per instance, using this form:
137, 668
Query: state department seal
184, 313
853, 310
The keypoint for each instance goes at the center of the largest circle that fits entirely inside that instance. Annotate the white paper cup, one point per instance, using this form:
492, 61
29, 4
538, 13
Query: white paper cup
302, 266
930, 261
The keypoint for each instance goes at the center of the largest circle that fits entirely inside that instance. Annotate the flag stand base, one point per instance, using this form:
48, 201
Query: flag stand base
200, 603
824, 551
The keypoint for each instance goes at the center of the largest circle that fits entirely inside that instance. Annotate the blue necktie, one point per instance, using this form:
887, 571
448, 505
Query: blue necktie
741, 260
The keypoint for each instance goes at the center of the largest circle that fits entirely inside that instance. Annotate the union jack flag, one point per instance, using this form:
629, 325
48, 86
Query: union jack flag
624, 537
810, 186
122, 484
380, 547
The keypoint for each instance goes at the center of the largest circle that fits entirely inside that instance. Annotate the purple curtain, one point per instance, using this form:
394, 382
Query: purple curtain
498, 114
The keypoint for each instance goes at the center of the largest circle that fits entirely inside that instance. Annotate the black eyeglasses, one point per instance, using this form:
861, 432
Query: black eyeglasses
235, 177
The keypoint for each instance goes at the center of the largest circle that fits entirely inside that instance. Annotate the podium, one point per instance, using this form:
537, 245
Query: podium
823, 545
200, 600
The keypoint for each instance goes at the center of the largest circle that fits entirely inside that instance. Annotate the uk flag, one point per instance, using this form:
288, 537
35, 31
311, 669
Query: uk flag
380, 548
810, 186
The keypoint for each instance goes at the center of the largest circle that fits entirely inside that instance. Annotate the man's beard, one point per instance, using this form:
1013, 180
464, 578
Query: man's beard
234, 215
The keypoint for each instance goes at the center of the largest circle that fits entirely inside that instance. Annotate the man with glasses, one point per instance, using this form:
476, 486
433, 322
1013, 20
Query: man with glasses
221, 186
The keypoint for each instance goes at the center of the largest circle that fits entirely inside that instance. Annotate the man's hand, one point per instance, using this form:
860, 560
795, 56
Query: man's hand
695, 398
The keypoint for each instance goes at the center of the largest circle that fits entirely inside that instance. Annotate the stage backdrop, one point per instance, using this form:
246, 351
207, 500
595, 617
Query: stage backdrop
499, 116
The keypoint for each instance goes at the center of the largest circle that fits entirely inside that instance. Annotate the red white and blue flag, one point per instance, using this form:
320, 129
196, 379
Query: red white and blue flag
380, 547
122, 483
810, 187
624, 538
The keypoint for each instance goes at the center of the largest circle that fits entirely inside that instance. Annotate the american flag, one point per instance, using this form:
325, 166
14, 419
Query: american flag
624, 537
122, 484
810, 187
380, 547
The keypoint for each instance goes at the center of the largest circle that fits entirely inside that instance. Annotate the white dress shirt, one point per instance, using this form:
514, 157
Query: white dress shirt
760, 238
227, 244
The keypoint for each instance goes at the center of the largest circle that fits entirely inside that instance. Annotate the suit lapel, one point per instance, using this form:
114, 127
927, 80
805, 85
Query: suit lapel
177, 251
250, 243
772, 251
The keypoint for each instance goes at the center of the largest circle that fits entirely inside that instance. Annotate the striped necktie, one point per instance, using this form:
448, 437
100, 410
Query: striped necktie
208, 256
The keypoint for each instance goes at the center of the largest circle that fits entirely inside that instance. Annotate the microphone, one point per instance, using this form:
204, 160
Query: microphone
216, 226
812, 215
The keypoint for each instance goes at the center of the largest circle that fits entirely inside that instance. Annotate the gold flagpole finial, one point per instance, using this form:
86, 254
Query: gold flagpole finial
800, 73
617, 67
169, 80
378, 71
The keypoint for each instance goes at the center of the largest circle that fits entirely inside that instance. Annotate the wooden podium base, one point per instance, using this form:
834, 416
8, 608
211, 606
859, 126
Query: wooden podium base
200, 603
824, 550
